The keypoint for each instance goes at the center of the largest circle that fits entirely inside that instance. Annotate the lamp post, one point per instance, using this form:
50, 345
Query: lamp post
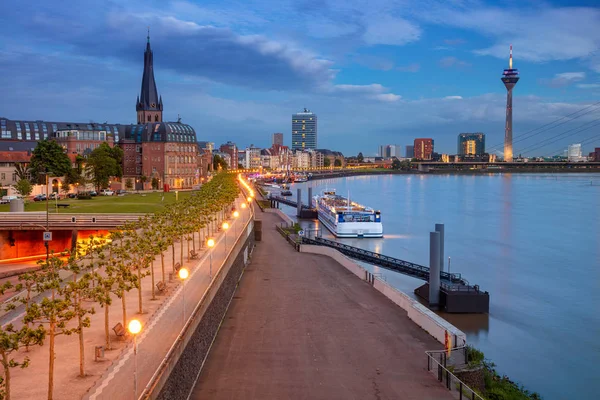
210, 243
183, 275
225, 226
235, 214
134, 328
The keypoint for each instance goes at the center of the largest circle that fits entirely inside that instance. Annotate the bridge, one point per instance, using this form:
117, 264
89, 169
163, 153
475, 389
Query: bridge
456, 294
24, 221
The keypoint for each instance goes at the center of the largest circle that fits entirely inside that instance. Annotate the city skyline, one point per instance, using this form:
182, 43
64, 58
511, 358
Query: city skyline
394, 73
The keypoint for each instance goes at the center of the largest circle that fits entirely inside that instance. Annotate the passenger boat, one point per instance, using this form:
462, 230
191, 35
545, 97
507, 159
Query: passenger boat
345, 218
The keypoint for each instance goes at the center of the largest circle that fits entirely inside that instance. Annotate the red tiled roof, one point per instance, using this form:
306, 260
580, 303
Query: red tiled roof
14, 156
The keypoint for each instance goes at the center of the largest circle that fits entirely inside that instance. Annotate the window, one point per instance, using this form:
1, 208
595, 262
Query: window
3, 176
156, 118
89, 126
149, 118
14, 177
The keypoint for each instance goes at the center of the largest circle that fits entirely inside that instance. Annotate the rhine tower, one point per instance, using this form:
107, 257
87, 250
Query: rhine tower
510, 77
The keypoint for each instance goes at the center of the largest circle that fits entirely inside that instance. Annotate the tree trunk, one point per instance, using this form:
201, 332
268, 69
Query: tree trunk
181, 250
193, 241
6, 366
162, 265
124, 305
106, 327
51, 361
187, 239
139, 270
81, 347
152, 275
173, 252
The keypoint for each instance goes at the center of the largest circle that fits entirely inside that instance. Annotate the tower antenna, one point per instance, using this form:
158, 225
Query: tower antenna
510, 59
148, 37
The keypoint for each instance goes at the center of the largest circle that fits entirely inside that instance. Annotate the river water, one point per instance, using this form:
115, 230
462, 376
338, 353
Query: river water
531, 240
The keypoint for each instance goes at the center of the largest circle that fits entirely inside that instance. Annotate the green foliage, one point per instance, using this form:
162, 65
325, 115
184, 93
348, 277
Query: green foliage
474, 357
337, 162
327, 162
219, 163
155, 183
24, 187
84, 196
360, 158
129, 183
103, 163
48, 156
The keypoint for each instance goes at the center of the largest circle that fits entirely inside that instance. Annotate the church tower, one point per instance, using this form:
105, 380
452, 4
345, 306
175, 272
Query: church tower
149, 106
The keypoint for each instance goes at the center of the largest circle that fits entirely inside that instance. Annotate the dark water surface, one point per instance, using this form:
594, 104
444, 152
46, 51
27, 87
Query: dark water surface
531, 240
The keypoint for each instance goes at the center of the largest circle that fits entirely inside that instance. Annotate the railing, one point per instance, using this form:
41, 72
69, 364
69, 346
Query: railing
286, 235
437, 362
36, 221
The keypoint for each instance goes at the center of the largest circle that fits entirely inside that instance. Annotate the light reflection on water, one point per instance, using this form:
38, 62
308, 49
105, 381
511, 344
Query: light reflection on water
531, 240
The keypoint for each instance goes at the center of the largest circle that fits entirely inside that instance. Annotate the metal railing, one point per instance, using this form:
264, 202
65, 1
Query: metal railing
437, 363
28, 221
286, 235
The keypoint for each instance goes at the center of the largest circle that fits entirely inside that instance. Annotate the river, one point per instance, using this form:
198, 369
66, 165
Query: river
531, 240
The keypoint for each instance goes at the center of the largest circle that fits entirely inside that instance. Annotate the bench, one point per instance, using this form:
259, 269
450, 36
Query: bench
193, 254
63, 205
119, 330
177, 267
161, 286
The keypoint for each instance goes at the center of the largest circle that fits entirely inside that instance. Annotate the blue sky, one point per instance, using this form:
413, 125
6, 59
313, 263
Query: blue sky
380, 72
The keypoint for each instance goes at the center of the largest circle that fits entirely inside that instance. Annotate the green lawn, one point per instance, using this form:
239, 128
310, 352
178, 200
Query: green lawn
130, 203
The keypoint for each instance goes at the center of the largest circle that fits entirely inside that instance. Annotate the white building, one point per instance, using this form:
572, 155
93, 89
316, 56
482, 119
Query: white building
390, 150
252, 159
574, 153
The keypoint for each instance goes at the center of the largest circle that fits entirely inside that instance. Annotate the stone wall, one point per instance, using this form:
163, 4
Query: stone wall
473, 378
182, 376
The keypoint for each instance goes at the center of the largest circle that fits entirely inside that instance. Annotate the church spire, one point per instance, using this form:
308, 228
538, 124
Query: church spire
149, 107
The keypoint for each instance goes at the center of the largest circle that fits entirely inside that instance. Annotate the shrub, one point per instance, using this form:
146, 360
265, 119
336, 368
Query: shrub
84, 196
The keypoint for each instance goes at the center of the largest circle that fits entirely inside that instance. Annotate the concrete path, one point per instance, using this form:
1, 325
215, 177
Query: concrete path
303, 327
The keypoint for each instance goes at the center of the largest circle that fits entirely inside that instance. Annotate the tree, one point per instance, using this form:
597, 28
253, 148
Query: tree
326, 162
24, 187
396, 164
143, 179
22, 170
337, 162
218, 161
102, 165
129, 183
155, 183
49, 156
360, 157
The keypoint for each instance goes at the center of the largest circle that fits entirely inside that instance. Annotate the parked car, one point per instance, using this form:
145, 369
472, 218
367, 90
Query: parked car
107, 192
54, 196
93, 193
72, 195
39, 197
8, 199
121, 192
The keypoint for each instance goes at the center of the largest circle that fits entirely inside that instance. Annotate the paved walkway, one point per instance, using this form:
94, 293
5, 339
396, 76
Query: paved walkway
303, 327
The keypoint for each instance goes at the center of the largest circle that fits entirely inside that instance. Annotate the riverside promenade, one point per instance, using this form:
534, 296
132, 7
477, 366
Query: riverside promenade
301, 326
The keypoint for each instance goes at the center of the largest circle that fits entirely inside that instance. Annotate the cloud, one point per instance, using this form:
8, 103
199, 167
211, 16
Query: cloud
563, 79
373, 91
454, 42
588, 85
414, 67
448, 62
387, 97
388, 30
453, 97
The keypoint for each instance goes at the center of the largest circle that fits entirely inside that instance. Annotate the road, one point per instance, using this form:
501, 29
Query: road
303, 327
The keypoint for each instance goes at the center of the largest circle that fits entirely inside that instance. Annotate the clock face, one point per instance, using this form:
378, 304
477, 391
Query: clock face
153, 105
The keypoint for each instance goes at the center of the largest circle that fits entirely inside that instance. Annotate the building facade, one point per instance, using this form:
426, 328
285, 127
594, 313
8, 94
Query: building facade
471, 144
277, 139
389, 151
231, 149
423, 149
595, 155
574, 152
409, 152
304, 130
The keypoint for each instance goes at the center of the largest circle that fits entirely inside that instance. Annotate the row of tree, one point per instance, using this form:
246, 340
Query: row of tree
97, 167
105, 270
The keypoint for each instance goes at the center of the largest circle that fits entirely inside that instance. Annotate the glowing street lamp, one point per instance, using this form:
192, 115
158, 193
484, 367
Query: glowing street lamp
236, 215
243, 205
225, 226
210, 243
134, 328
183, 275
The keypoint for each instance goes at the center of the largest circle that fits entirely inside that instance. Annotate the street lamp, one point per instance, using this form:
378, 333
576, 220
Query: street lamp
249, 199
236, 214
134, 328
225, 226
210, 243
183, 275
243, 205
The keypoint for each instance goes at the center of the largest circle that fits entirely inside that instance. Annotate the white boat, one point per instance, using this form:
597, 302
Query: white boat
346, 219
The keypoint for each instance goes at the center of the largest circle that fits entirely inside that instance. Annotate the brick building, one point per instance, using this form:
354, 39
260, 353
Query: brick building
423, 149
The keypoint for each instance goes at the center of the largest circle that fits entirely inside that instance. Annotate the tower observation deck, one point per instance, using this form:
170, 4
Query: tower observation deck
510, 77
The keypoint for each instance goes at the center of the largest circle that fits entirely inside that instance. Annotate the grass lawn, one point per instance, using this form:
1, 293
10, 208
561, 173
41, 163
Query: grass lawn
130, 203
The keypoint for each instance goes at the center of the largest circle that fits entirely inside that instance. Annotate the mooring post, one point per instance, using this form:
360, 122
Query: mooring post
299, 204
440, 228
434, 269
310, 197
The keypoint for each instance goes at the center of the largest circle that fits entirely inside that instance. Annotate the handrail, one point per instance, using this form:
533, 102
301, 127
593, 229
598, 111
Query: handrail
450, 380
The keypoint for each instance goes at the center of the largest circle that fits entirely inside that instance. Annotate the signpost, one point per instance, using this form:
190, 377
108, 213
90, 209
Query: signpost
47, 236
301, 233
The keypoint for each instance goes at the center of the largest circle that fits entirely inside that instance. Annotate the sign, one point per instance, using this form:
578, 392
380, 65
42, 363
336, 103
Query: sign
47, 236
448, 343
301, 233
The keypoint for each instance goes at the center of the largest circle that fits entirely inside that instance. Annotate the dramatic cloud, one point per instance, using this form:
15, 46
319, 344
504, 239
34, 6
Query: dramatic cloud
563, 79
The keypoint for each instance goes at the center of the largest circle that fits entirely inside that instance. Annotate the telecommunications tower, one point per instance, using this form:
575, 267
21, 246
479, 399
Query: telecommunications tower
510, 77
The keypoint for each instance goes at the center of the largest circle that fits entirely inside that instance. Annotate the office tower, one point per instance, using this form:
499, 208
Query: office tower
423, 148
410, 151
510, 77
277, 139
471, 144
304, 130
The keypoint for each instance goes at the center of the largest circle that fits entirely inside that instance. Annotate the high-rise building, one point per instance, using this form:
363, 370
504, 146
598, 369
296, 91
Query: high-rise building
389, 150
472, 144
304, 130
510, 77
231, 149
595, 155
574, 153
423, 148
410, 151
277, 139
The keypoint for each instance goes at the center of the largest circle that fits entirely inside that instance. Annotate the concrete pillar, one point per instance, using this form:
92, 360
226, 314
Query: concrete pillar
299, 202
17, 205
440, 228
74, 234
310, 196
434, 269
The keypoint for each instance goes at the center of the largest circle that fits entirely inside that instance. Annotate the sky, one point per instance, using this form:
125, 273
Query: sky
382, 72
